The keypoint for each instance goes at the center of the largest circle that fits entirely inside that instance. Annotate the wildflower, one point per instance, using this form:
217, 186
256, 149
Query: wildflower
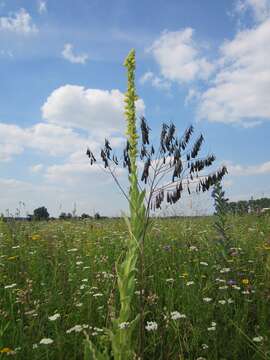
124, 325
16, 247
193, 248
10, 286
35, 237
46, 341
223, 287
203, 263
225, 270
54, 317
190, 283
76, 328
230, 301
7, 350
184, 275
236, 287
175, 315
151, 326
245, 281
258, 339
205, 346
207, 299
79, 262
170, 280
10, 258
220, 280
72, 250
222, 302
34, 346
97, 295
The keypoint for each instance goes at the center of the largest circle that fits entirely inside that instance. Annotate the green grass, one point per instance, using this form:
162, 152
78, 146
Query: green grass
67, 267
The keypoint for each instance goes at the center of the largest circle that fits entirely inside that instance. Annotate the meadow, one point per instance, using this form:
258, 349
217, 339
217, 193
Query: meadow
58, 284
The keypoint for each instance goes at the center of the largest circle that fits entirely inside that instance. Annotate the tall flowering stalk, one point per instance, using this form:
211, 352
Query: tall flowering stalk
126, 270
167, 172
121, 334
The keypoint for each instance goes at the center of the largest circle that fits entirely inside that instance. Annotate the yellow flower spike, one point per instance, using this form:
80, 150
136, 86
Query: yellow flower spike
35, 237
245, 282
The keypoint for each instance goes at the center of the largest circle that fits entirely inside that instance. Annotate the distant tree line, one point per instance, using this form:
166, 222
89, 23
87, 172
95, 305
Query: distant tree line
248, 206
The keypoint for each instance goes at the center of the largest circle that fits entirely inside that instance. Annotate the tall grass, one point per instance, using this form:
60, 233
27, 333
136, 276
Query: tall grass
67, 268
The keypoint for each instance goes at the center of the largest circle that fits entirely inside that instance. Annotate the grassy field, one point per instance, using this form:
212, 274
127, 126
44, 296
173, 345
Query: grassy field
57, 282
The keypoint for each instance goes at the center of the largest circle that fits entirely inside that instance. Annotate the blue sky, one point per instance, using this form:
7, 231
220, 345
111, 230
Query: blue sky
62, 85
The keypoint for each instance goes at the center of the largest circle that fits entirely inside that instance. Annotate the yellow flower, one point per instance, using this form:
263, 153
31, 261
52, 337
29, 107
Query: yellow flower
245, 281
35, 237
266, 246
6, 350
12, 258
184, 275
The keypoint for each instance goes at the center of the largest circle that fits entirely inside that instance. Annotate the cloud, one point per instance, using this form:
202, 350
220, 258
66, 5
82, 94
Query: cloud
98, 111
69, 55
260, 8
155, 81
19, 22
43, 137
179, 57
240, 90
12, 140
240, 170
36, 168
79, 117
42, 6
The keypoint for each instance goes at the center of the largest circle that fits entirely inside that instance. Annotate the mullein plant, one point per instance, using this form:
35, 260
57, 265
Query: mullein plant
167, 170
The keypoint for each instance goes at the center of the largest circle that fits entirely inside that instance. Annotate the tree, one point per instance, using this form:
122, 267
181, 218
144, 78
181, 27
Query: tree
41, 213
85, 216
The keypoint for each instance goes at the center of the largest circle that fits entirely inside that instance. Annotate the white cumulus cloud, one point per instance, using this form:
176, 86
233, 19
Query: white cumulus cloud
69, 55
259, 8
19, 22
155, 81
179, 56
241, 170
98, 111
240, 90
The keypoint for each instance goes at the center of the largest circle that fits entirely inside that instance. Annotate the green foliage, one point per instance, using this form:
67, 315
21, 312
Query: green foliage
58, 256
41, 213
221, 218
244, 206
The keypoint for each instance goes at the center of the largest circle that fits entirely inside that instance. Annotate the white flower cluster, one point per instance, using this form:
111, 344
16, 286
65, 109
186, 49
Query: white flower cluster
175, 315
151, 326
